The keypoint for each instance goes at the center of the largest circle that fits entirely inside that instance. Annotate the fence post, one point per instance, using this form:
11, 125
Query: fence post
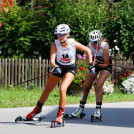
12, 75
16, 70
6, 71
43, 73
23, 72
9, 72
19, 70
40, 72
26, 73
33, 70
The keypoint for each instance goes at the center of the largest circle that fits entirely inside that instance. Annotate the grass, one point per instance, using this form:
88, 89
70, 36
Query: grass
19, 97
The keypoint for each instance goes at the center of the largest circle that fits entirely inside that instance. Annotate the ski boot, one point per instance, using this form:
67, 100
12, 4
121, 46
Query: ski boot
77, 114
97, 115
36, 111
59, 120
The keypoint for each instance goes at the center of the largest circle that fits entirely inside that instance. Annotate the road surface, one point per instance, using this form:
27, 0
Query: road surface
117, 118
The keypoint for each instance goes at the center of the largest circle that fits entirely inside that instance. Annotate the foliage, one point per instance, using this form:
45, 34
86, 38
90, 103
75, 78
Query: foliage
82, 68
21, 33
27, 31
19, 97
127, 86
119, 29
108, 87
123, 77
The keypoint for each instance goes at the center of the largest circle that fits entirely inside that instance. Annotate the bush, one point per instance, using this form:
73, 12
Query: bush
82, 68
127, 86
119, 30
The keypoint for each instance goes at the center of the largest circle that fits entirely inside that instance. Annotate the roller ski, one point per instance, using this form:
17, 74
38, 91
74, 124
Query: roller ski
97, 115
77, 114
30, 117
34, 119
67, 116
59, 122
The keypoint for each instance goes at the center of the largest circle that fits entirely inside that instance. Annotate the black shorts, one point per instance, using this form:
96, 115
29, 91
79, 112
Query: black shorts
72, 70
109, 68
97, 69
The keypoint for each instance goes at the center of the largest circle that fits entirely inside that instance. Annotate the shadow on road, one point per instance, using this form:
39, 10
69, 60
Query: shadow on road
116, 117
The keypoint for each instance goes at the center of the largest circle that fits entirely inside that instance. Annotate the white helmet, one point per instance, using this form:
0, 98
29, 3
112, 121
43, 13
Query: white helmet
62, 29
95, 35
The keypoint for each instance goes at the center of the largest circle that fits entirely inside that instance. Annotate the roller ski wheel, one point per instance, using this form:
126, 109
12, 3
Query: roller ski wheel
57, 124
94, 118
21, 119
67, 116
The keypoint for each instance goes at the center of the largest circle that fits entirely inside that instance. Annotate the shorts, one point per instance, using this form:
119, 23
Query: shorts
97, 69
109, 68
72, 70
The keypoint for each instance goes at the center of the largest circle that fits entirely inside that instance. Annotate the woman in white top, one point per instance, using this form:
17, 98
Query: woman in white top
63, 61
103, 68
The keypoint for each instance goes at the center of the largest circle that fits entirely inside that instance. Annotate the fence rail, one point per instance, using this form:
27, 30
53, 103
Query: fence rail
14, 71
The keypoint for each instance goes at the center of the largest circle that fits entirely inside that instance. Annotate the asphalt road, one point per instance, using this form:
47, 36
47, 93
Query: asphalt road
118, 118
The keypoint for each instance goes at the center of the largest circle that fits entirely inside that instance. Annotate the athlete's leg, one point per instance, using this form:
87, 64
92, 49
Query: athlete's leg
51, 83
104, 74
88, 84
68, 78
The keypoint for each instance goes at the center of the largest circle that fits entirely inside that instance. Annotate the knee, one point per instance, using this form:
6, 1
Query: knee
63, 90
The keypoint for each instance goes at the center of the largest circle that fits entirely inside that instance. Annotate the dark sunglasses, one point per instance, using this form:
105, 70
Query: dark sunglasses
61, 35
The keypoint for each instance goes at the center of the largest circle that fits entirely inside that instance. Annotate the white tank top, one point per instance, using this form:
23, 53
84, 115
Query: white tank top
100, 52
66, 56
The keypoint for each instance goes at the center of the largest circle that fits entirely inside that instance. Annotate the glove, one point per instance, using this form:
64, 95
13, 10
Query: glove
57, 70
91, 68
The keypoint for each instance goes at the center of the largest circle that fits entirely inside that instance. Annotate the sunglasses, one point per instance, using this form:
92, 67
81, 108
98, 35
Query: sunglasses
61, 35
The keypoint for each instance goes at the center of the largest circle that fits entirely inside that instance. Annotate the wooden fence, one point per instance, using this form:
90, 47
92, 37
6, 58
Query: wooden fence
14, 71
120, 67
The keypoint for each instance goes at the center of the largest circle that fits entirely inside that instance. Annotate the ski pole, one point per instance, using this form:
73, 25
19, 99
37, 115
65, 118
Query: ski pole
32, 79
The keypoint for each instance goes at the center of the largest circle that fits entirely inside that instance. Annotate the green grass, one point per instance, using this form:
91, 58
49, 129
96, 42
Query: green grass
19, 97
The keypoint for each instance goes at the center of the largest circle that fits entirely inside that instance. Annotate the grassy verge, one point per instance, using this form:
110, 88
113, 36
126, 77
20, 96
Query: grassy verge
19, 97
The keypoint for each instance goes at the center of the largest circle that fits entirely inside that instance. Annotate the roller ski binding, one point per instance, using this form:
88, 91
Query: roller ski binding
35, 119
57, 123
67, 116
77, 114
97, 115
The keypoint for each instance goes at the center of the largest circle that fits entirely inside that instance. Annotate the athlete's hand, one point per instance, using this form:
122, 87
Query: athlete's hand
91, 68
57, 70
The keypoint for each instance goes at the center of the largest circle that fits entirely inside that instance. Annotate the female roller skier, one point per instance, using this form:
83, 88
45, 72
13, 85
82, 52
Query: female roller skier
63, 61
103, 68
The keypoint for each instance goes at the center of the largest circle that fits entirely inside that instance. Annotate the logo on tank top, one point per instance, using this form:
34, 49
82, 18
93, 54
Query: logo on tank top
65, 58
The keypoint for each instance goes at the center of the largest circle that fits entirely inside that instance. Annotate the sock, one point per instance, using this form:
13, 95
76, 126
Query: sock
82, 104
40, 104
